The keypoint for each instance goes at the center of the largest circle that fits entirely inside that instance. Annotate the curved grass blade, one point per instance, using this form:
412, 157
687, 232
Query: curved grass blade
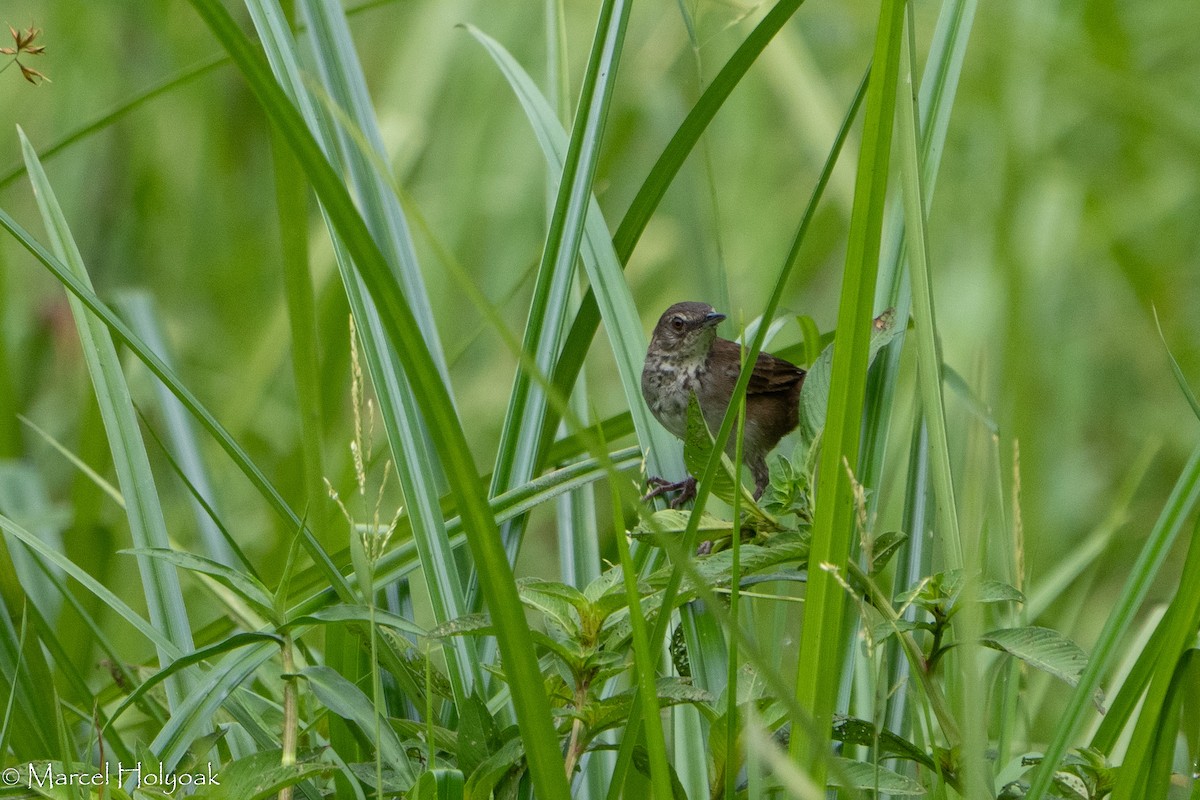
143, 320
160, 582
1183, 500
163, 373
356, 140
119, 606
404, 335
521, 437
1178, 627
601, 262
342, 76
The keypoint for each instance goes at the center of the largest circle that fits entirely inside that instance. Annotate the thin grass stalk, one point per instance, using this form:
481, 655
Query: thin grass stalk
818, 668
967, 624
939, 84
732, 717
1182, 501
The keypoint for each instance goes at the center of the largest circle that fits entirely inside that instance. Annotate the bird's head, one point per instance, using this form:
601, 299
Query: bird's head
686, 331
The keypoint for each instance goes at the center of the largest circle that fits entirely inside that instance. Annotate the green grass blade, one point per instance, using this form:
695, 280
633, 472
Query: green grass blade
1137, 775
342, 77
1180, 505
645, 659
404, 335
521, 436
935, 101
416, 466
292, 202
929, 362
143, 320
833, 526
23, 665
160, 582
10, 434
106, 595
623, 323
162, 372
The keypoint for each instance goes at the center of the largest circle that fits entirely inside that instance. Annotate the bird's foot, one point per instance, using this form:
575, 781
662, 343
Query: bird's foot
660, 486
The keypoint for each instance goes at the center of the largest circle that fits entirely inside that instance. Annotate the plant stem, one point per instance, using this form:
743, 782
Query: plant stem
290, 716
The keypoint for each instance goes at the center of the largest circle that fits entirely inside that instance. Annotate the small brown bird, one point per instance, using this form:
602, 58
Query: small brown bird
686, 356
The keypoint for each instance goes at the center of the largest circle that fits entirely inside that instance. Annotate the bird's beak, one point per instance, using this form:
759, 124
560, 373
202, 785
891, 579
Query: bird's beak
713, 319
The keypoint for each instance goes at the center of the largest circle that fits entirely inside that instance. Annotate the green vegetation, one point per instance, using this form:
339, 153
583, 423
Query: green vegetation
322, 440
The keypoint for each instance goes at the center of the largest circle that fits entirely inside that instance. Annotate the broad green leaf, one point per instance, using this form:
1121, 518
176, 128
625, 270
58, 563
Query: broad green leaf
1043, 648
348, 701
439, 784
867, 777
856, 731
259, 776
478, 734
675, 521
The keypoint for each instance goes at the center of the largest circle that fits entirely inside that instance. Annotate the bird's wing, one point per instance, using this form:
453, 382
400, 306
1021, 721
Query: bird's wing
771, 374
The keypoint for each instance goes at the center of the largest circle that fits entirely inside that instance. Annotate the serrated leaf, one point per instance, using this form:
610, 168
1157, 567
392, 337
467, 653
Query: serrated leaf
856, 731
614, 711
348, 701
860, 775
698, 445
259, 776
557, 607
1044, 649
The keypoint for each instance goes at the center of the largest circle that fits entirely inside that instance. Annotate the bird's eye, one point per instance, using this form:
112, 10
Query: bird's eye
677, 323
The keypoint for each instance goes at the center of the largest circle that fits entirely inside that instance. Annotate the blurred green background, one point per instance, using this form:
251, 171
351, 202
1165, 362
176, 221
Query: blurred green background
1066, 210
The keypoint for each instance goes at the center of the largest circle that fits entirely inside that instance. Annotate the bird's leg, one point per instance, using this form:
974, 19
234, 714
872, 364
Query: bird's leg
660, 486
